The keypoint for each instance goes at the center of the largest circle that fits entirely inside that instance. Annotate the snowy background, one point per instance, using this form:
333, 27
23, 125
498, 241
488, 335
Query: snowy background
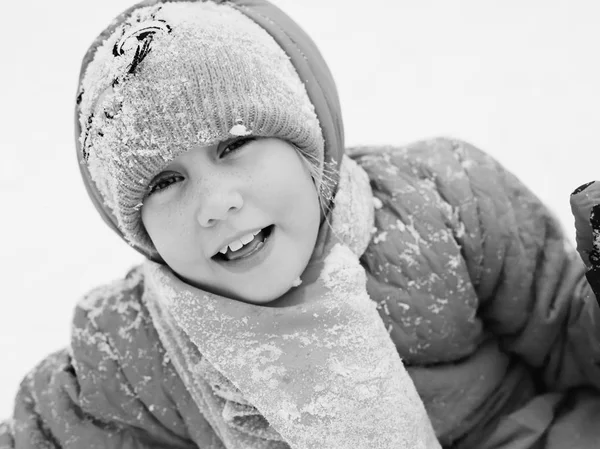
520, 79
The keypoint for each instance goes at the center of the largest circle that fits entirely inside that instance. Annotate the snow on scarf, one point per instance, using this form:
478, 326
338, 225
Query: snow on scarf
316, 369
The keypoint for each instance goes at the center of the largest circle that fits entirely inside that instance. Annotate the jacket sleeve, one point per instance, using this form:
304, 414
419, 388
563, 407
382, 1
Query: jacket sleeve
526, 283
113, 388
530, 280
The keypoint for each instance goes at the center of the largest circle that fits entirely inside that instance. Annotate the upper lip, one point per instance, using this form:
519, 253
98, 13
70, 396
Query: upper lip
234, 237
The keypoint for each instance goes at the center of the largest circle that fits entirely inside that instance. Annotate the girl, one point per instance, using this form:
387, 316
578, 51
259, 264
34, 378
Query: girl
194, 111
285, 282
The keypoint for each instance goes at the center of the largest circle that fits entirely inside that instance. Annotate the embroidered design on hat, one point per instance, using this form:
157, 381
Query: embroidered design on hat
139, 37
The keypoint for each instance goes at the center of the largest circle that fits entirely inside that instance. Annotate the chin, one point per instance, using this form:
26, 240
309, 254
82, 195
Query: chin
255, 297
265, 297
261, 299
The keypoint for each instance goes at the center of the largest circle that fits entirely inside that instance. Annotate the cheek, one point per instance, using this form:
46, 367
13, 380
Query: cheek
166, 229
154, 227
293, 195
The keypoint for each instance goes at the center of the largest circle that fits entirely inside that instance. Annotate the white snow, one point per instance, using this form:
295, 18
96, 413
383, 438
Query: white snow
239, 130
380, 238
297, 282
465, 76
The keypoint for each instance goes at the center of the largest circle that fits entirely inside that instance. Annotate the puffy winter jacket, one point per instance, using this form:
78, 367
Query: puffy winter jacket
485, 302
484, 299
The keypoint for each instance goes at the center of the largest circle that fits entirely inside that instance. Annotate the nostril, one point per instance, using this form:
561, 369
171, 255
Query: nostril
207, 223
218, 207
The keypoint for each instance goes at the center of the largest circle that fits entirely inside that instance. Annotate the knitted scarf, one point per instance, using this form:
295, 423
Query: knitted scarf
314, 369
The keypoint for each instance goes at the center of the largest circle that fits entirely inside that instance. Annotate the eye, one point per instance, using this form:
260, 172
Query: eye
163, 182
231, 146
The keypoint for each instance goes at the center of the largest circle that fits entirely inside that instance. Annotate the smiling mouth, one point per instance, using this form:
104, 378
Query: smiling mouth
248, 249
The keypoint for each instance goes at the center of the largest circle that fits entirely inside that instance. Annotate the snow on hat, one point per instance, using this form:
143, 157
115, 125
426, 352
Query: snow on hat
175, 75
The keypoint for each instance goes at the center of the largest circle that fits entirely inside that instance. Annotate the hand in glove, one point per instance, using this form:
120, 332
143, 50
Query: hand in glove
585, 205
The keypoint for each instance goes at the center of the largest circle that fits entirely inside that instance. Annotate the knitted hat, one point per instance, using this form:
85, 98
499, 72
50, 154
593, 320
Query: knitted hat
173, 75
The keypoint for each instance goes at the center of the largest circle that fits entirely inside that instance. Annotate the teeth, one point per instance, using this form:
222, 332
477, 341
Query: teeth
237, 244
247, 238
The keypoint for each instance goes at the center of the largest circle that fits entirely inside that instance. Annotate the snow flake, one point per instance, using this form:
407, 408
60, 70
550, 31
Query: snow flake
380, 238
386, 309
436, 308
454, 262
460, 232
239, 130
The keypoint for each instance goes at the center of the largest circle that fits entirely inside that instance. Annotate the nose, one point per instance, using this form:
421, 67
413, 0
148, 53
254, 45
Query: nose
216, 206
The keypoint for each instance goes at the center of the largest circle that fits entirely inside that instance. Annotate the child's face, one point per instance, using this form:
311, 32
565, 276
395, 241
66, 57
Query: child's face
210, 197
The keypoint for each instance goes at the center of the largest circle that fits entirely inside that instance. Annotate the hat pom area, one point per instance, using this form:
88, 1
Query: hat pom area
177, 75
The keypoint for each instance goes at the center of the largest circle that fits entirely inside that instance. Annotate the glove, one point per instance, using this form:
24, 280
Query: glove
585, 205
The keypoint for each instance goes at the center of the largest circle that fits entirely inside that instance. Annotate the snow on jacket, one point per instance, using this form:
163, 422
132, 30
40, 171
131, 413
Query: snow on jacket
486, 304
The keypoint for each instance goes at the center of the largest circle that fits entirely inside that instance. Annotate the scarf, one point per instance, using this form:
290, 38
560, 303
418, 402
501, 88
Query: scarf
315, 369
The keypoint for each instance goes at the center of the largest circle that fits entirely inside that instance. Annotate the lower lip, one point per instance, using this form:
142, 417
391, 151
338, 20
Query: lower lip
257, 257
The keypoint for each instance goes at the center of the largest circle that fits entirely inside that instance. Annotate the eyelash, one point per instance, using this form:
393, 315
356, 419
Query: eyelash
154, 186
229, 147
235, 144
